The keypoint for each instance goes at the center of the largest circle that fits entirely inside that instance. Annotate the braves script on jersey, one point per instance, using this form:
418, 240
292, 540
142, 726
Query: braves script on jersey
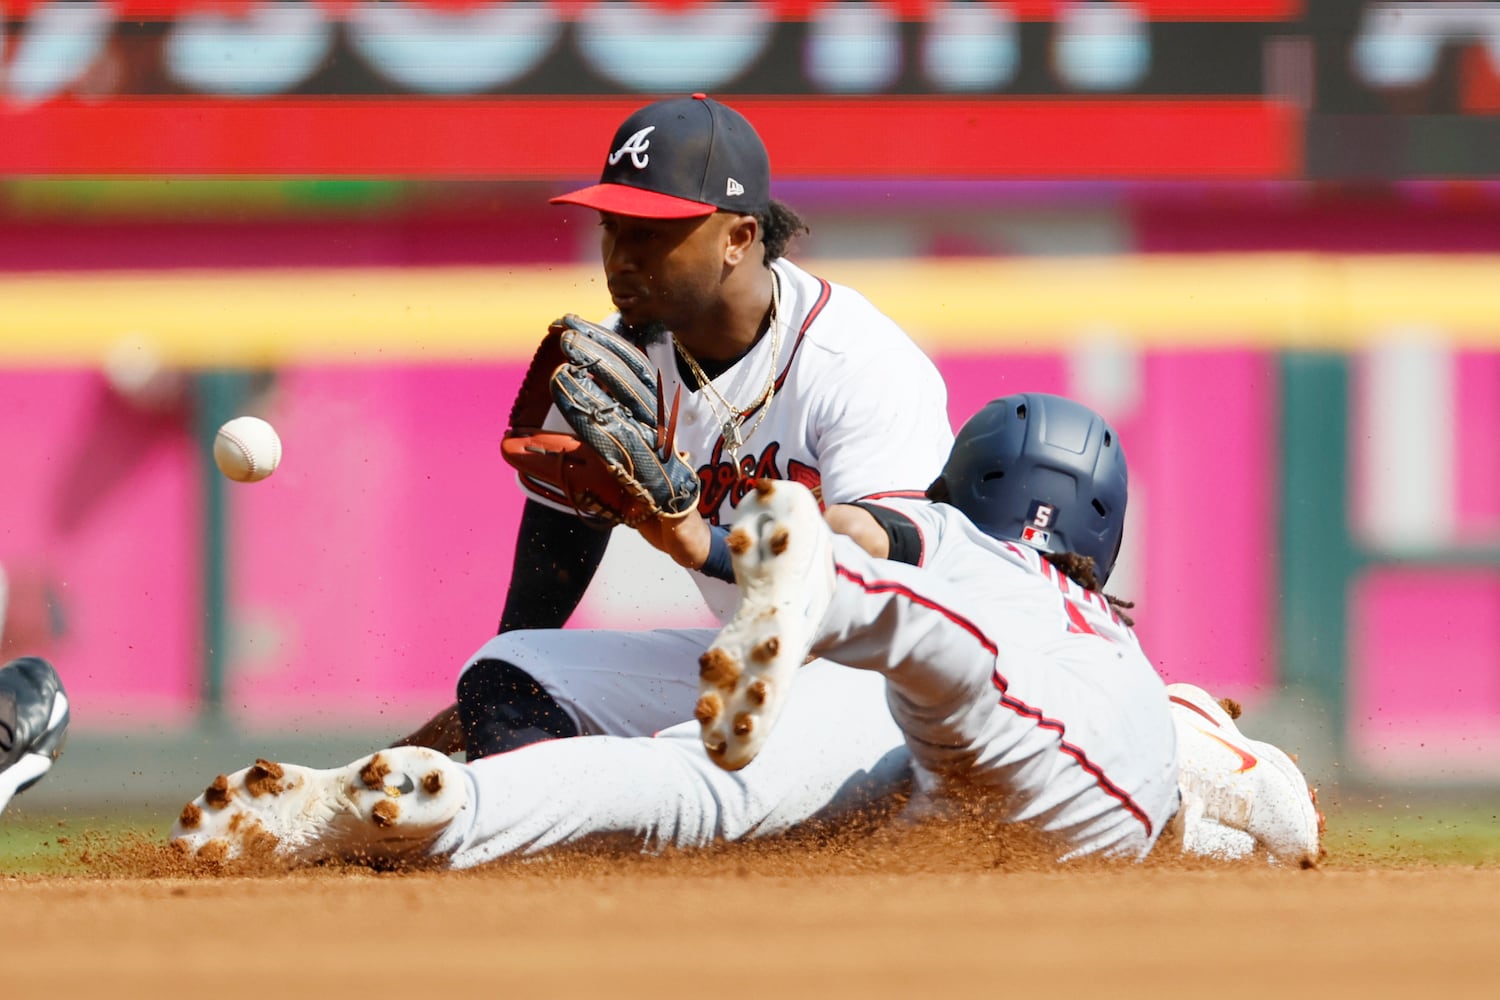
859, 410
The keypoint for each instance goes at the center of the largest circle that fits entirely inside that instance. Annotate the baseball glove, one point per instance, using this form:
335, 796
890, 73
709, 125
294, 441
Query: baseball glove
622, 466
612, 398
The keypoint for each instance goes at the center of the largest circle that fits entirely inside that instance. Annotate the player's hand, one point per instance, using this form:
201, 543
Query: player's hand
685, 537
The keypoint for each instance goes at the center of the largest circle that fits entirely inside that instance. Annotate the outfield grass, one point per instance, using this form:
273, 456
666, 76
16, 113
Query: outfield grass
1398, 835
32, 844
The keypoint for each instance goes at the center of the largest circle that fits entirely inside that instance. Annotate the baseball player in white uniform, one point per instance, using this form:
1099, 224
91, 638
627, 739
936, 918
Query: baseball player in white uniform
1009, 675
1014, 680
783, 375
1006, 676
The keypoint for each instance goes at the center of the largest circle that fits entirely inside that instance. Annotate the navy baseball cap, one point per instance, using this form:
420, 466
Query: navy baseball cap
680, 159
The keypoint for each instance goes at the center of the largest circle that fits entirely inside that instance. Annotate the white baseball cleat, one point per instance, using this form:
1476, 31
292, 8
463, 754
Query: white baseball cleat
388, 807
1241, 783
783, 563
34, 718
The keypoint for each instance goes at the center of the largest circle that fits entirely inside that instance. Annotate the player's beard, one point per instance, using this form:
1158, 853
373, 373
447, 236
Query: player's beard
643, 334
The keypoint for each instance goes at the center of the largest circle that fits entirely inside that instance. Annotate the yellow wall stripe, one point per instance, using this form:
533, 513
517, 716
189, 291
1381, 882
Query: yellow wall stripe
273, 317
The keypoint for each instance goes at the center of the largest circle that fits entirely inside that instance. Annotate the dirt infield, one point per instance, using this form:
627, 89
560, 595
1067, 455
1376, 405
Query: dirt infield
828, 920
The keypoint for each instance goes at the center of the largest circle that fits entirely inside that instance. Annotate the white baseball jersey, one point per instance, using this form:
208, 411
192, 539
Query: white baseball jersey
859, 412
1004, 673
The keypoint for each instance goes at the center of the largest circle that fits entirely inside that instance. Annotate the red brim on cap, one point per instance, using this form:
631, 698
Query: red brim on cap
624, 200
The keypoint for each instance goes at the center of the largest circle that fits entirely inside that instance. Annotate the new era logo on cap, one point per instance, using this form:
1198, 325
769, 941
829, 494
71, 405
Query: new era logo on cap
678, 159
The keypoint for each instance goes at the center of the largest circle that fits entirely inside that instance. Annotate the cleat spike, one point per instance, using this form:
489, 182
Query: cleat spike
779, 540
385, 814
217, 795
708, 709
718, 668
264, 778
374, 773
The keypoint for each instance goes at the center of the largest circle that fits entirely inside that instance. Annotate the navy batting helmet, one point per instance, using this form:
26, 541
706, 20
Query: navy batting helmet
1042, 470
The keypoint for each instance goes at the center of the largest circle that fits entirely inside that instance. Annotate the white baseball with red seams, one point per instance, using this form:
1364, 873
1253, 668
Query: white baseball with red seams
247, 449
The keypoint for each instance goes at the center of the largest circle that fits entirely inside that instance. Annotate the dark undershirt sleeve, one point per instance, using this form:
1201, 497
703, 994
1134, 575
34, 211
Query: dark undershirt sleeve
556, 558
718, 565
905, 539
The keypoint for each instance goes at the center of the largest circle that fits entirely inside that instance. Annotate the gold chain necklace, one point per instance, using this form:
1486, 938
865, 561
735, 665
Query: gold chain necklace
724, 411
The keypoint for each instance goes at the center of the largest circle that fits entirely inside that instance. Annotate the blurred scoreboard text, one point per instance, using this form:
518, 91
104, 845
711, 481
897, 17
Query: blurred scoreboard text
1170, 89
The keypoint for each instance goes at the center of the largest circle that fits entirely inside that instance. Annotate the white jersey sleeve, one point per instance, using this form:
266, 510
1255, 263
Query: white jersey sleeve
882, 428
875, 407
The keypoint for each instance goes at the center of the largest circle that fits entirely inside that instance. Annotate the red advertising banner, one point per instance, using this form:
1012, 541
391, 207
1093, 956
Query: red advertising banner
521, 139
493, 89
1029, 10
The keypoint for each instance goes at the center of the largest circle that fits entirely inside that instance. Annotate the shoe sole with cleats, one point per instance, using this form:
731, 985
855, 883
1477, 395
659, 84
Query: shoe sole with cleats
387, 808
783, 564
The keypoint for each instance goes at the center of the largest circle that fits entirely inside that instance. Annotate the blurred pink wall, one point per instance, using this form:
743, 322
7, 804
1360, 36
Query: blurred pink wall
99, 539
1199, 441
374, 562
1424, 698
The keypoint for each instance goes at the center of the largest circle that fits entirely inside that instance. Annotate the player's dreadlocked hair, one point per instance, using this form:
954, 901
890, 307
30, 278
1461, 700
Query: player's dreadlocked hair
778, 225
1081, 570
1078, 568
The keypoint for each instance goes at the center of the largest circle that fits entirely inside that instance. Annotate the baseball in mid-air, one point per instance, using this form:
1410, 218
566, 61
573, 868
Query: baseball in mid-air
247, 449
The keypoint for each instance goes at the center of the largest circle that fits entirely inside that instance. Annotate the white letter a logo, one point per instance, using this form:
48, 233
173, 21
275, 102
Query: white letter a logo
636, 146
